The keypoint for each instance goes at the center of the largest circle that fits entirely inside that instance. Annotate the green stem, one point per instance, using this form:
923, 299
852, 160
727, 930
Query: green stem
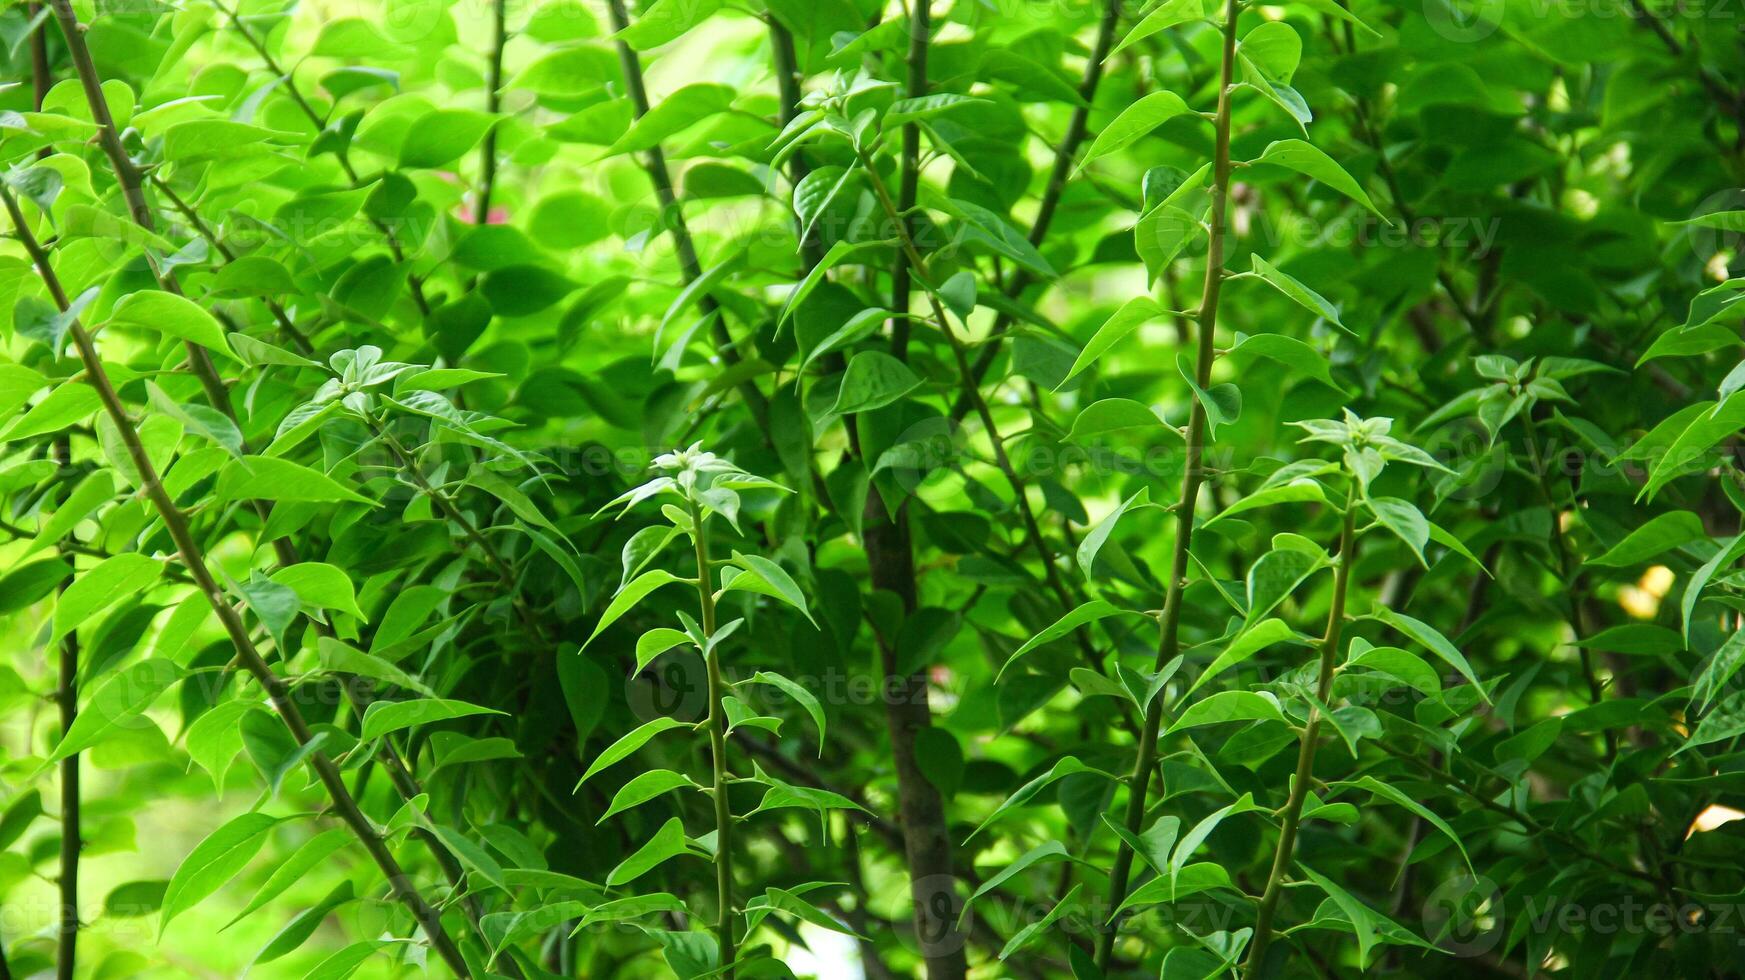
1169, 637
132, 184
717, 747
1293, 814
176, 524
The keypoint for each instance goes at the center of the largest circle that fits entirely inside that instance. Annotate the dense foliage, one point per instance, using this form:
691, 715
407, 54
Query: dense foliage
841, 488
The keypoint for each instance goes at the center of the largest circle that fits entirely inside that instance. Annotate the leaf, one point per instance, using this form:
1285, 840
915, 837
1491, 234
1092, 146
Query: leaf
1402, 665
346, 659
1045, 853
645, 787
1298, 293
1428, 637
1719, 669
1068, 766
1115, 415
1399, 798
1222, 404
806, 699
1288, 351
1089, 612
1405, 521
1099, 535
1134, 122
214, 739
1724, 721
104, 584
270, 478
1249, 641
1662, 533
1191, 841
874, 379
213, 862
629, 743
321, 585
676, 113
1305, 159
1227, 706
665, 21
1275, 576
1133, 314
668, 842
628, 596
167, 313
1362, 919
765, 577
314, 852
1171, 13
383, 717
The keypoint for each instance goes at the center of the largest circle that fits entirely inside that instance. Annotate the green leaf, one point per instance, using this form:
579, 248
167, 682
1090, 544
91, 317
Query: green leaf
1171, 13
1134, 122
1662, 533
628, 596
173, 315
1131, 316
874, 379
1249, 641
805, 698
314, 852
1089, 612
271, 478
620, 750
117, 707
1227, 706
383, 717
1288, 351
1305, 159
1045, 853
765, 577
1405, 521
1360, 916
1400, 798
321, 585
214, 739
95, 589
1099, 534
668, 842
1431, 639
216, 860
1068, 766
645, 787
1114, 415
1299, 294
676, 113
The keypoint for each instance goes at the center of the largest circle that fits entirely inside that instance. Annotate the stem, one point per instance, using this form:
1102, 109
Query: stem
673, 217
1169, 638
787, 71
72, 836
493, 104
66, 688
1287, 837
909, 175
176, 524
717, 748
131, 181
